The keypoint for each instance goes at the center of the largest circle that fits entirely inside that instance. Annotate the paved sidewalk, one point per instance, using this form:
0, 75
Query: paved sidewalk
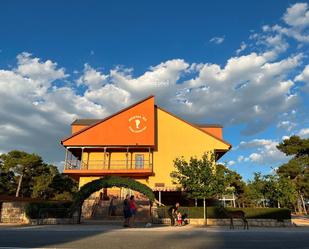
300, 221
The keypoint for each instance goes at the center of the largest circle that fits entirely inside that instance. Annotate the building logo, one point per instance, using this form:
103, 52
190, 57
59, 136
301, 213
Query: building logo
137, 123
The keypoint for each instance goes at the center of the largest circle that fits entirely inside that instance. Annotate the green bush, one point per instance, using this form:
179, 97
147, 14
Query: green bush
35, 210
107, 182
214, 212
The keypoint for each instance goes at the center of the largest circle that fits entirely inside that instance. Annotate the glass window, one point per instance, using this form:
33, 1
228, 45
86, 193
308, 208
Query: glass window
139, 161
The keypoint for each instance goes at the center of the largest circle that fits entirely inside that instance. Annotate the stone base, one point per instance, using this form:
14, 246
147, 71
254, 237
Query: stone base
237, 222
52, 221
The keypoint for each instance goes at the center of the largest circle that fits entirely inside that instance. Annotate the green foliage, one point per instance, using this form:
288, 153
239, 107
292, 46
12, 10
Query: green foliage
199, 177
107, 182
297, 169
22, 164
35, 210
295, 146
54, 186
7, 182
274, 190
214, 212
39, 180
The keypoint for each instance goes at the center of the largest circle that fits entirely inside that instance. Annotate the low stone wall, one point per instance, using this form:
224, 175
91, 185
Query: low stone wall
52, 221
237, 222
13, 212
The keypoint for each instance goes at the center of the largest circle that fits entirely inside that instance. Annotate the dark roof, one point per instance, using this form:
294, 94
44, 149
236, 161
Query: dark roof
86, 121
209, 125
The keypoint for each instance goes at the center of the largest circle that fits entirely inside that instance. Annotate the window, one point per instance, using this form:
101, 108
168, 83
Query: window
139, 161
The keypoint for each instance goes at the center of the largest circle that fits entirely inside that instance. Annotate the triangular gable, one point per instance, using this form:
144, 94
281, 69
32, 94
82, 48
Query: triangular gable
226, 144
133, 126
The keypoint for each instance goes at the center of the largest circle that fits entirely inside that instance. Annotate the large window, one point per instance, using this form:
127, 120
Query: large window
139, 161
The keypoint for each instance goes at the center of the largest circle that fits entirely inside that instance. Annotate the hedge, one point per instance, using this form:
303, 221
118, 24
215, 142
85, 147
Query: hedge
107, 182
214, 212
48, 209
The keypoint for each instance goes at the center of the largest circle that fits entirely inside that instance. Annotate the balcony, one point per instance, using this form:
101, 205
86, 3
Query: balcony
136, 165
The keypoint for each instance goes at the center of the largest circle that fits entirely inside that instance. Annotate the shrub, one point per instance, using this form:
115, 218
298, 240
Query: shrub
106, 182
35, 210
214, 212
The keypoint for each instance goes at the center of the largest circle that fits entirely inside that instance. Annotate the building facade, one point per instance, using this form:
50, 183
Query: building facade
140, 142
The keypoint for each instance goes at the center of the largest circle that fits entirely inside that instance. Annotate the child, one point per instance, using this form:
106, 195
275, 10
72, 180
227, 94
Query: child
179, 219
184, 219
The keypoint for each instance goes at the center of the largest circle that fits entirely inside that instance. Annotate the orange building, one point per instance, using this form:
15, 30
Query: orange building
141, 142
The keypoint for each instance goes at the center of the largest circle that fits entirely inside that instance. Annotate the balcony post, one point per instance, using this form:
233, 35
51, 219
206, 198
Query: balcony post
109, 160
66, 158
127, 158
76, 161
81, 159
149, 158
71, 159
104, 157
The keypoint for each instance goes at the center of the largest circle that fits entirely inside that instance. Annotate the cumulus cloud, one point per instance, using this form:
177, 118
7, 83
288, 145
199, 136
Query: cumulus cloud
92, 78
231, 163
286, 125
296, 23
243, 46
304, 133
304, 77
297, 15
265, 152
217, 39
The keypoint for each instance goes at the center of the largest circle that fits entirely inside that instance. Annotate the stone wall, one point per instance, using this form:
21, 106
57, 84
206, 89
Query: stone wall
52, 221
13, 212
237, 222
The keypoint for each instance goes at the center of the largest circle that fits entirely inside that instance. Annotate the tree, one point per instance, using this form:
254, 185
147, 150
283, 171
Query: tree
27, 175
24, 167
255, 190
279, 191
199, 177
7, 181
233, 182
297, 169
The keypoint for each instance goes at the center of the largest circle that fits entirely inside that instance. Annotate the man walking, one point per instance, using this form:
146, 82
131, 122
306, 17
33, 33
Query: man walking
126, 211
172, 213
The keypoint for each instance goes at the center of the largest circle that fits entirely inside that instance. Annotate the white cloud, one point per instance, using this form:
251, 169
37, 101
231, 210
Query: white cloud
297, 15
243, 46
231, 163
286, 125
33, 68
266, 152
240, 158
217, 39
304, 133
92, 78
304, 77
296, 23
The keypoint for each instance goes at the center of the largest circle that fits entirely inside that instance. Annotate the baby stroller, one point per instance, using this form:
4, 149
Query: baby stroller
185, 219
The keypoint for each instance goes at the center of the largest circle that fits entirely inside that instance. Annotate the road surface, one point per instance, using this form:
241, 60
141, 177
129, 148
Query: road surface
114, 236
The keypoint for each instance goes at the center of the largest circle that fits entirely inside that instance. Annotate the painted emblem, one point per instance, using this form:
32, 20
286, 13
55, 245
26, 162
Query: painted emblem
137, 123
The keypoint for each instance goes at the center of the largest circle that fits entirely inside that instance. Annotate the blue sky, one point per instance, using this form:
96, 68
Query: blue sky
238, 63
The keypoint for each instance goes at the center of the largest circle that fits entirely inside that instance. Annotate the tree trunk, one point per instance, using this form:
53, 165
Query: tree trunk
205, 210
19, 185
303, 203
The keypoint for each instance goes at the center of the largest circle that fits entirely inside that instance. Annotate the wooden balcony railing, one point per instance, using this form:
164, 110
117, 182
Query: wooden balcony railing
133, 165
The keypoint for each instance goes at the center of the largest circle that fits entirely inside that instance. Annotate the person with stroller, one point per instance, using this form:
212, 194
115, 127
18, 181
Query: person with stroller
172, 213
